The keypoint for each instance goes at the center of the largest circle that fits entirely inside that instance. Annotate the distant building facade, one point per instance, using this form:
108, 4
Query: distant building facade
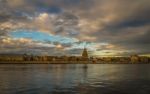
85, 53
135, 59
85, 56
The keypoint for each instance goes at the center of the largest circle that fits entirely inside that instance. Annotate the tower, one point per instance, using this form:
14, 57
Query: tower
85, 53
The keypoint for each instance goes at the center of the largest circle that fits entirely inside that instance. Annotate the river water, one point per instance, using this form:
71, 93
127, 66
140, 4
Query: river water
75, 79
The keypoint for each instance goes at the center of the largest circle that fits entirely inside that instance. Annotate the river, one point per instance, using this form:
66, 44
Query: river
75, 79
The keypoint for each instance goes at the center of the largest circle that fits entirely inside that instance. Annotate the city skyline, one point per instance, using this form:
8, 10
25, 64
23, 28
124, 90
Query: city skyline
66, 27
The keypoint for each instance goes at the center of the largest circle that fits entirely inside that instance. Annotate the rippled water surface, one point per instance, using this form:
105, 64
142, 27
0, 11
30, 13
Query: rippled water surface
75, 79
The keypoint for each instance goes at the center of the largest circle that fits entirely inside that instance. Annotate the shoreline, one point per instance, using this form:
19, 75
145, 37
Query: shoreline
64, 62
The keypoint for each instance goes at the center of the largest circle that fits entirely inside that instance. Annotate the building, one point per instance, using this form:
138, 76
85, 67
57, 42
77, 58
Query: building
134, 59
85, 56
85, 53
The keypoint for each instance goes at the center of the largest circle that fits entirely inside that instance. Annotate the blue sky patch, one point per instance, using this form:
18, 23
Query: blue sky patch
41, 36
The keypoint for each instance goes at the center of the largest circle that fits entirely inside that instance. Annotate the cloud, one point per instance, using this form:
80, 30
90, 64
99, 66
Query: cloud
121, 24
22, 46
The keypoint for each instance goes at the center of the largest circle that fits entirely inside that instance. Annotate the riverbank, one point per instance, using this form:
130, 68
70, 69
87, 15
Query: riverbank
45, 62
65, 62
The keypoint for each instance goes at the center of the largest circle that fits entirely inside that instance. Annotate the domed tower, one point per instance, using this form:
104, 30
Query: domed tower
85, 53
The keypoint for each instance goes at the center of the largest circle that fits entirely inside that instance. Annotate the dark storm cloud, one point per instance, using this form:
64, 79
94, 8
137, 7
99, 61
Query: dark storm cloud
66, 24
67, 19
4, 17
139, 43
4, 32
135, 19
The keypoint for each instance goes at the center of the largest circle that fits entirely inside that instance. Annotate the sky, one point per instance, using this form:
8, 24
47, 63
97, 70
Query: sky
65, 27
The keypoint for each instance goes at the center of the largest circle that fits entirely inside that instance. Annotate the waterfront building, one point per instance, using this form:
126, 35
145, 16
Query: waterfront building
85, 56
85, 53
134, 59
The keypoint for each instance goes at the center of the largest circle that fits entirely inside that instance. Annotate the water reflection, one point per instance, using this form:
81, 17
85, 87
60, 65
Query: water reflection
74, 79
